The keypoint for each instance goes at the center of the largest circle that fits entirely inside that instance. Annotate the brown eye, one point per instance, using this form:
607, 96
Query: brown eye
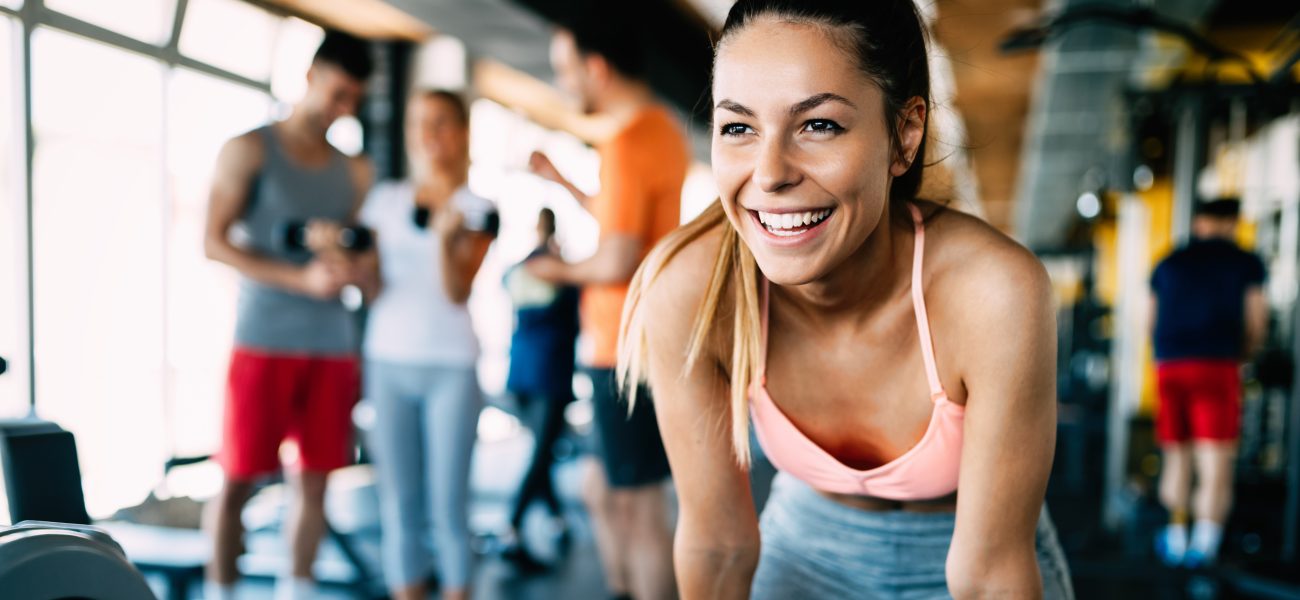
734, 129
822, 126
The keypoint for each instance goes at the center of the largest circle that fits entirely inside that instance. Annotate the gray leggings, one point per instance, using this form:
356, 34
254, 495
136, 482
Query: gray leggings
814, 547
422, 442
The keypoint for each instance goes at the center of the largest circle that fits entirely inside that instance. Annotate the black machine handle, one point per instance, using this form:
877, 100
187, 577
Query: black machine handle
182, 461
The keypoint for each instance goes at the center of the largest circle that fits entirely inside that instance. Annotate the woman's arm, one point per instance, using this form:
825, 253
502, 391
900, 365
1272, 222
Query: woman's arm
1005, 328
369, 279
462, 253
716, 547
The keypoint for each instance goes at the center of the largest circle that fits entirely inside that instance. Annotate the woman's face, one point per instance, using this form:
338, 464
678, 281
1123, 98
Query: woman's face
434, 133
801, 152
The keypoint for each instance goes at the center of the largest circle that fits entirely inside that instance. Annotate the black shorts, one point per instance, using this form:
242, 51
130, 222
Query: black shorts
628, 445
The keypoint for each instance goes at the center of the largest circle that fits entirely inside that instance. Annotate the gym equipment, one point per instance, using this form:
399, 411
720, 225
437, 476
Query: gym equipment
488, 222
355, 238
43, 486
42, 476
48, 561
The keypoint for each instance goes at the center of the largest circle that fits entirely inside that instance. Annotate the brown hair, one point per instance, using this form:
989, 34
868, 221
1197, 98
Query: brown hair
456, 101
888, 41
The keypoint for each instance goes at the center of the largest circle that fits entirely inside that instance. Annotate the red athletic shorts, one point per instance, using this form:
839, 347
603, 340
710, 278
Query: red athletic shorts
1199, 400
273, 397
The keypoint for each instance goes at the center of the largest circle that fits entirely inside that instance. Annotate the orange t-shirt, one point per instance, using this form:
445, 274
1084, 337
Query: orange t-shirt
641, 174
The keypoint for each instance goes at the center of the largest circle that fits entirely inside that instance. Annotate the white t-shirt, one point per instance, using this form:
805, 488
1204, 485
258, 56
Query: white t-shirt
412, 321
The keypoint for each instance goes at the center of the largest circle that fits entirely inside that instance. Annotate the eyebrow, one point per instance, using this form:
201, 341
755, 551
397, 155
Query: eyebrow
735, 107
800, 107
818, 100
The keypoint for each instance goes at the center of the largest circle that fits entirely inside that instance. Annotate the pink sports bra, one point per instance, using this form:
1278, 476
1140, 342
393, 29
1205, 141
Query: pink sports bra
928, 470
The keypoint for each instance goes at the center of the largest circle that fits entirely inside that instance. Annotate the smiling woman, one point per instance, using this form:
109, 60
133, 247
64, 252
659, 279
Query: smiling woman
819, 264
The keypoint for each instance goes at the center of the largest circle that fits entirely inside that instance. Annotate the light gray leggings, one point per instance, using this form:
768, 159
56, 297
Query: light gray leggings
815, 547
422, 442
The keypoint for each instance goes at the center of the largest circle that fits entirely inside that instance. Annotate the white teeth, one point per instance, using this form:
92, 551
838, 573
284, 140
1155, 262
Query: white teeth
777, 222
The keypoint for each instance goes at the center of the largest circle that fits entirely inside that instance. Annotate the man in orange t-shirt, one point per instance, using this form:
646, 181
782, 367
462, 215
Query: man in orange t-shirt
643, 167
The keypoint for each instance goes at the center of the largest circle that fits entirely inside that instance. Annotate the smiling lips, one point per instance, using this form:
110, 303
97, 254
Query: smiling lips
791, 224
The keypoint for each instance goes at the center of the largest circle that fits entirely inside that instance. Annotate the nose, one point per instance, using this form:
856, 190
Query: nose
773, 171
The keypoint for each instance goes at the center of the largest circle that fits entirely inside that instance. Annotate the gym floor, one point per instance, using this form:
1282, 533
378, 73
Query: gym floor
1100, 570
498, 468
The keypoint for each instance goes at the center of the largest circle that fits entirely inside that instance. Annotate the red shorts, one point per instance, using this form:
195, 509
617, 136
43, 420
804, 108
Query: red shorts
274, 397
1199, 400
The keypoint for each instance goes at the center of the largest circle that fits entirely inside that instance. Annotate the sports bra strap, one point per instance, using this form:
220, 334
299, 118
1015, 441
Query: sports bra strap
762, 353
918, 303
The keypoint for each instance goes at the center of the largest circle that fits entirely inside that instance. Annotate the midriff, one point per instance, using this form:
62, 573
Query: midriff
870, 503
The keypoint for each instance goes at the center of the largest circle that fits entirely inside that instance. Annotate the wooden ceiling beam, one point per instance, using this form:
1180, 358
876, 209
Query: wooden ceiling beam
370, 19
992, 92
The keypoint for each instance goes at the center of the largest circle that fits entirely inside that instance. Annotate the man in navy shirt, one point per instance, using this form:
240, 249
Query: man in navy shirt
1210, 314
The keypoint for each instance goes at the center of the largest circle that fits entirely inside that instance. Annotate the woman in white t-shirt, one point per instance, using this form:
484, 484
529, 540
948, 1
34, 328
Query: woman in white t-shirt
420, 349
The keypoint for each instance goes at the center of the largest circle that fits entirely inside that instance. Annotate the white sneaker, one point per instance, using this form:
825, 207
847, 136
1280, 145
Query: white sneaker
218, 591
1203, 549
295, 588
1171, 545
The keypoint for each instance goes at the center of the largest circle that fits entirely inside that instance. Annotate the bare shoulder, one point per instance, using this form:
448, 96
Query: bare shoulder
249, 143
979, 275
363, 171
243, 153
238, 163
674, 283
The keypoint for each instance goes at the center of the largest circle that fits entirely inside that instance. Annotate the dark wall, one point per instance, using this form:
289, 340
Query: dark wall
381, 116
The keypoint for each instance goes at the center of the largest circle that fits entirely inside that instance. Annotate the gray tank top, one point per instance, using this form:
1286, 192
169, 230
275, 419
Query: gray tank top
270, 318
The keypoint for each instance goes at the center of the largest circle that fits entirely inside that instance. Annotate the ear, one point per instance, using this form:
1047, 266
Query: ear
312, 73
598, 69
911, 131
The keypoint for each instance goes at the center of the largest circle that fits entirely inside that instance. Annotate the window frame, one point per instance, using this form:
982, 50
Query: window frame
34, 14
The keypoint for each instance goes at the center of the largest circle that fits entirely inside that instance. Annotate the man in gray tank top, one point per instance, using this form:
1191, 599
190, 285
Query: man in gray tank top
281, 198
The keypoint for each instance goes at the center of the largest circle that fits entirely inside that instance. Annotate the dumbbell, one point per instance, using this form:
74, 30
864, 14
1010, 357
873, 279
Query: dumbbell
488, 221
293, 235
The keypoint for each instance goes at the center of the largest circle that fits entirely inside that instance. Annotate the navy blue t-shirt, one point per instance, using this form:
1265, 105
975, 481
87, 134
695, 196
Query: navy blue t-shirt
1200, 294
546, 328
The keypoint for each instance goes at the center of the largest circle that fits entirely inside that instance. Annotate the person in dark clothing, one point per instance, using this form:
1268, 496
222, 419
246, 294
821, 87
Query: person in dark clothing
1210, 314
541, 374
